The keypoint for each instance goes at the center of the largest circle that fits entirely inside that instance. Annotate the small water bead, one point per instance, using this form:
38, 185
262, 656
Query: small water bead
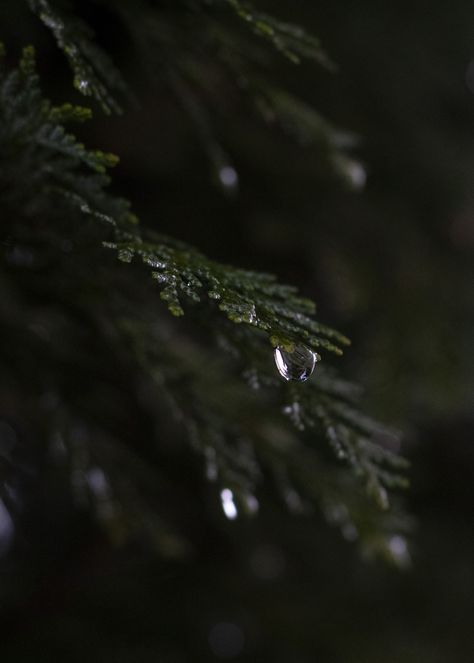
398, 550
296, 365
356, 174
228, 178
228, 504
82, 85
250, 316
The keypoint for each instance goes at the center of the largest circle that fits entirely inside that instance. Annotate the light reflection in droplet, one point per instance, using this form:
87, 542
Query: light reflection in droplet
228, 504
83, 85
98, 483
226, 640
295, 365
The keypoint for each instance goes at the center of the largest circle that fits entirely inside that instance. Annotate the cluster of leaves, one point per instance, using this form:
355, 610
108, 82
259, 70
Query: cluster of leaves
56, 167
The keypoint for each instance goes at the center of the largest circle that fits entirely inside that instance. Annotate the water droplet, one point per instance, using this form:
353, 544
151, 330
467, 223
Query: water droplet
398, 550
228, 178
251, 316
356, 175
228, 504
154, 262
98, 483
82, 85
295, 365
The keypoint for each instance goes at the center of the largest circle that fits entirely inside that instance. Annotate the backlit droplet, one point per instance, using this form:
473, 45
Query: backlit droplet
82, 85
398, 550
356, 174
228, 504
296, 365
228, 177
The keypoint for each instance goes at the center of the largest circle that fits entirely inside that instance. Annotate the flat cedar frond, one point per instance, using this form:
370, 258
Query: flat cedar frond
245, 297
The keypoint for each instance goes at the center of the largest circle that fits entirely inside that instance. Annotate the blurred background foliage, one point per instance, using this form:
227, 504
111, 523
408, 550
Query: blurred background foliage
389, 261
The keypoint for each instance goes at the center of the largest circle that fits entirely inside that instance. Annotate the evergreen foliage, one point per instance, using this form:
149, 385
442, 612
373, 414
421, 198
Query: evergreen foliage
166, 494
59, 222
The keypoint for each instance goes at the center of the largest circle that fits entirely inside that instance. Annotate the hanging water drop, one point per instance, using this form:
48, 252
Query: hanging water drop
398, 550
228, 504
356, 174
228, 177
296, 365
82, 85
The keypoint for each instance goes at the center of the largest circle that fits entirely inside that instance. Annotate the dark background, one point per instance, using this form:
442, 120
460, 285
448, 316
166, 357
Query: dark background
391, 265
